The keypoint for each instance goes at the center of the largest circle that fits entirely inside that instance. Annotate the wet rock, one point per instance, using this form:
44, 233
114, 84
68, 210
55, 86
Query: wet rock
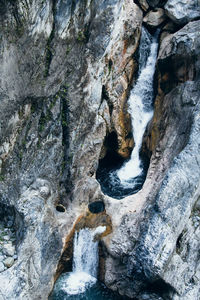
156, 3
182, 11
8, 262
121, 67
170, 27
144, 5
155, 17
96, 207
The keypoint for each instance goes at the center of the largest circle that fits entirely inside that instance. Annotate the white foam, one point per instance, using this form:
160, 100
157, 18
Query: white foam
99, 230
141, 110
78, 282
85, 262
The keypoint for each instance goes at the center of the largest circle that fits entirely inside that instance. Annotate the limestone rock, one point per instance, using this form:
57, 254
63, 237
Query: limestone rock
58, 102
2, 268
8, 262
183, 45
6, 238
8, 249
155, 17
182, 11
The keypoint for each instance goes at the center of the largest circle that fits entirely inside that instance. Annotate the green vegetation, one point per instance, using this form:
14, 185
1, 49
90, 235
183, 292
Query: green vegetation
44, 119
20, 155
81, 36
67, 50
2, 178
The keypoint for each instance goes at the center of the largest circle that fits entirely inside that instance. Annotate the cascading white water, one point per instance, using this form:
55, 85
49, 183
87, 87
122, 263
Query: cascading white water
140, 105
85, 261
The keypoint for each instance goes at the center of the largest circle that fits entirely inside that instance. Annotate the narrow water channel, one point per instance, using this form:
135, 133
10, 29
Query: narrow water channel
82, 283
128, 178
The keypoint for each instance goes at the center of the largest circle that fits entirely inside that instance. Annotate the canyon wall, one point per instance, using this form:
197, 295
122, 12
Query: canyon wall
67, 68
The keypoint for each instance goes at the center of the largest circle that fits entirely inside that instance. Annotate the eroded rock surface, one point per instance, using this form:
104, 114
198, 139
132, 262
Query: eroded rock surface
155, 18
183, 11
58, 102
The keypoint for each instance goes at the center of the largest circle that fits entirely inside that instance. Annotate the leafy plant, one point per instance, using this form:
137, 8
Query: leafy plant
81, 37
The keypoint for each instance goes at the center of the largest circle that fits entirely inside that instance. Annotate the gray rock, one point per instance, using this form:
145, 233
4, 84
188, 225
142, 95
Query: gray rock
57, 104
1, 257
155, 17
6, 237
8, 262
8, 249
144, 5
2, 268
182, 11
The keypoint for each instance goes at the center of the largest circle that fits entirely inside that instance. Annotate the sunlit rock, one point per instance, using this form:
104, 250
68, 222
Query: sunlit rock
182, 11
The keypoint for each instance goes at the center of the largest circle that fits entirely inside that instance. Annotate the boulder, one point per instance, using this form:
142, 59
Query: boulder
179, 51
6, 238
8, 249
8, 262
144, 5
155, 17
182, 11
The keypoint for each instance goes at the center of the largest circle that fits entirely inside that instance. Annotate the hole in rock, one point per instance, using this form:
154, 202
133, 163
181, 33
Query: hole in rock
107, 175
96, 207
160, 288
60, 208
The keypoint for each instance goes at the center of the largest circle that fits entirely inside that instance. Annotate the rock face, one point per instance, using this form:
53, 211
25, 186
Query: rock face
59, 102
155, 18
183, 11
144, 5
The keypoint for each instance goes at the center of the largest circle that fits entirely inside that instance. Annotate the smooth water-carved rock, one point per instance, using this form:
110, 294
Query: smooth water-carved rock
182, 11
58, 102
155, 17
120, 69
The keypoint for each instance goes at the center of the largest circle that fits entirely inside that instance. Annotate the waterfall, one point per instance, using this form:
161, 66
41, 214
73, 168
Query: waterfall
140, 105
85, 262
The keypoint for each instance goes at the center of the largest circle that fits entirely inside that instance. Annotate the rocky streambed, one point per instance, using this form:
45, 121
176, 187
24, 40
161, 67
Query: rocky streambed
7, 248
8, 252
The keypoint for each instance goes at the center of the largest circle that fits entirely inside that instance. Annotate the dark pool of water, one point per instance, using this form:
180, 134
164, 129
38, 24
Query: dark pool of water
110, 184
97, 292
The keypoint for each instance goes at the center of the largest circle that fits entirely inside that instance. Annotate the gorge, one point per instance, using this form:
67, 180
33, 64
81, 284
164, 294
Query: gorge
130, 177
75, 76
